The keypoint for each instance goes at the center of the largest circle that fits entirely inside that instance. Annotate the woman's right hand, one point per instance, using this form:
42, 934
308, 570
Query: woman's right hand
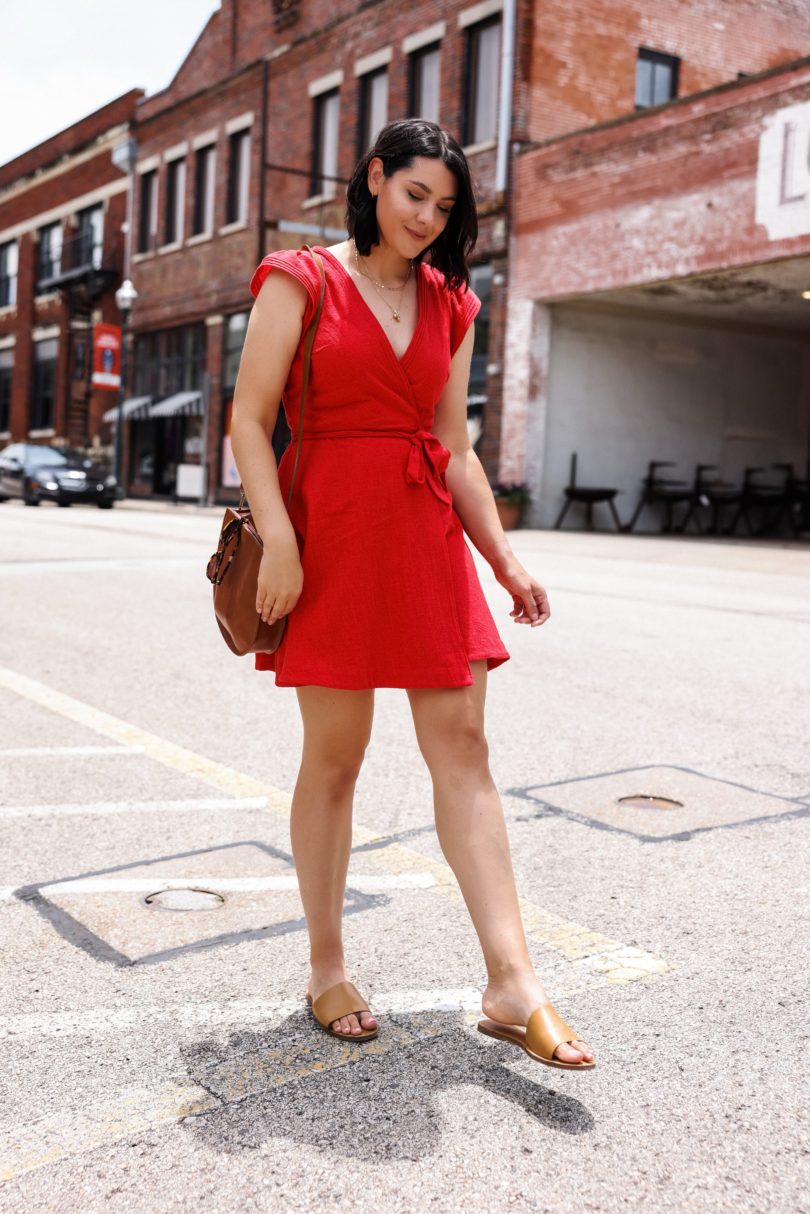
280, 582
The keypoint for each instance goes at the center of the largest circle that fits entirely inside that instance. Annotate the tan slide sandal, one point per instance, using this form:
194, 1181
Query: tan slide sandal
544, 1032
338, 1001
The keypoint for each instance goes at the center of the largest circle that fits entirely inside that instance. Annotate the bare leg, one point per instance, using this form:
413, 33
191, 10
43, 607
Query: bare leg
337, 728
472, 833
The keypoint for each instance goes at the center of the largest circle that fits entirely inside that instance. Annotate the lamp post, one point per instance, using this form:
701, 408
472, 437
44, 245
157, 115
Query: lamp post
125, 297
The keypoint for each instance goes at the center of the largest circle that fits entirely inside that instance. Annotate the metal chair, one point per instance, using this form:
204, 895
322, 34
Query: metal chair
758, 497
660, 490
711, 493
588, 498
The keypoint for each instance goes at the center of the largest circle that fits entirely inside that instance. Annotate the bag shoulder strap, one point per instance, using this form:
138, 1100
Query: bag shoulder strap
309, 341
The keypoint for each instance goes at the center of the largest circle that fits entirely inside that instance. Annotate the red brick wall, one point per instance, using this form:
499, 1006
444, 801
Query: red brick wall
584, 54
669, 193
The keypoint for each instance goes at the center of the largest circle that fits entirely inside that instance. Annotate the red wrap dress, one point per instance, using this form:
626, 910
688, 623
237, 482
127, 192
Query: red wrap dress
391, 596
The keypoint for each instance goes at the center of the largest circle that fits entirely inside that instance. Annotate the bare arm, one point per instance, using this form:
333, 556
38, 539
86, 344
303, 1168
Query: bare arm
273, 333
472, 496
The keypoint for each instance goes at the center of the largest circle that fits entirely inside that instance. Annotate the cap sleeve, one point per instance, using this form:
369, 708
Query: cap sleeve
464, 307
298, 263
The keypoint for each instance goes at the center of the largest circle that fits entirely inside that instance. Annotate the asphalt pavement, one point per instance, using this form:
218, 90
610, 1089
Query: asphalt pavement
156, 1051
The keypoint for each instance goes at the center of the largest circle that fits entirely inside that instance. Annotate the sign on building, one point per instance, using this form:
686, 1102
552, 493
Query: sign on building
783, 173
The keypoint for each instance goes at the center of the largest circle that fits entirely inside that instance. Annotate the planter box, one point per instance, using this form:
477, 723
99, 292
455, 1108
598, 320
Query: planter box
509, 513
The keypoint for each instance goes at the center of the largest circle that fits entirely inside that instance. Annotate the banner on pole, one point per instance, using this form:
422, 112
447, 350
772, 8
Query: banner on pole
107, 357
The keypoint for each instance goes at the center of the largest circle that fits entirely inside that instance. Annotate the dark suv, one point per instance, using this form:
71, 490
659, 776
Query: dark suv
38, 473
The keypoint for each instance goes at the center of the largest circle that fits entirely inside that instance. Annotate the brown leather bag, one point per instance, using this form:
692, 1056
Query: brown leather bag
234, 568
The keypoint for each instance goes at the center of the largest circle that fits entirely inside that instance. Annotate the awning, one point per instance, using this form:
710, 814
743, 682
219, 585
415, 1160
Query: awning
182, 404
136, 406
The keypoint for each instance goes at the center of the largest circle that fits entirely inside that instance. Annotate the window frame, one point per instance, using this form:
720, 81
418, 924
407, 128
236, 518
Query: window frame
43, 377
473, 32
147, 211
415, 60
657, 59
53, 264
6, 384
8, 276
323, 184
175, 202
204, 189
238, 192
365, 135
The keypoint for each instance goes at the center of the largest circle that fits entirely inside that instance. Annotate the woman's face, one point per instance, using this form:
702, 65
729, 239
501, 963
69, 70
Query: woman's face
414, 204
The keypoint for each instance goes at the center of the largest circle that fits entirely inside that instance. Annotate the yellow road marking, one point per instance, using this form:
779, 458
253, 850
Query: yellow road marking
601, 958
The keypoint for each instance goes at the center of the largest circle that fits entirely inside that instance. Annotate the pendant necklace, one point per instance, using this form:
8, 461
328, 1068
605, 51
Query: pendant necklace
378, 286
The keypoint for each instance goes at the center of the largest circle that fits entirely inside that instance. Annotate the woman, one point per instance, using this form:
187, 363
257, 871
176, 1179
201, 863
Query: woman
371, 566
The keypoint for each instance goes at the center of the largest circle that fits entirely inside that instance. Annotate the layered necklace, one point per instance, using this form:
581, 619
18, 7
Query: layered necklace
379, 287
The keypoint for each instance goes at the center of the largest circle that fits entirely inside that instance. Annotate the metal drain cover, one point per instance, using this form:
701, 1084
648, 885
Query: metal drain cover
650, 801
185, 899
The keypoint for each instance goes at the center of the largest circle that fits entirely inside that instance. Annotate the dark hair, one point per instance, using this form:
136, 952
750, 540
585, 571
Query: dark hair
397, 145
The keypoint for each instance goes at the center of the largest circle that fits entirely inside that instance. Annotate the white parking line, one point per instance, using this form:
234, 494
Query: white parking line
132, 807
279, 881
40, 752
242, 1012
365, 883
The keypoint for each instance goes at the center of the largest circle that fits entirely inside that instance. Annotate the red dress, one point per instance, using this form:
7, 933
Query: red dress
391, 597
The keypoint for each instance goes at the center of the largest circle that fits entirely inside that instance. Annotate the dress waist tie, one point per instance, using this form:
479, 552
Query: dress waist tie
427, 458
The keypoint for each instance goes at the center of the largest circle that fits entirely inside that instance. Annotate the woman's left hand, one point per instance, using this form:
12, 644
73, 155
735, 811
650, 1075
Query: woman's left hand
530, 599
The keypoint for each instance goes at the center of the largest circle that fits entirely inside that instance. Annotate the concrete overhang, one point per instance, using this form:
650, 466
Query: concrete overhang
701, 207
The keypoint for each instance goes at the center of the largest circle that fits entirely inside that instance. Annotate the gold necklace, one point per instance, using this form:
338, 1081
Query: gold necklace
395, 312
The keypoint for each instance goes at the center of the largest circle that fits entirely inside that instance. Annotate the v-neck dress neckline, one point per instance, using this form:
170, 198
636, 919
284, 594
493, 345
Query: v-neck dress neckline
420, 306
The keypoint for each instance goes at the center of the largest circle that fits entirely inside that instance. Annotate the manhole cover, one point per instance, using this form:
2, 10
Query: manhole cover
184, 899
649, 801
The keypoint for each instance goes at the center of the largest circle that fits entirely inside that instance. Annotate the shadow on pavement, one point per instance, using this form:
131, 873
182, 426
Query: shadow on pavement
371, 1101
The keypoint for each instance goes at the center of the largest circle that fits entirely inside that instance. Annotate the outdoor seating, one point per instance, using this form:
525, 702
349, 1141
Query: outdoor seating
663, 491
588, 497
710, 493
756, 498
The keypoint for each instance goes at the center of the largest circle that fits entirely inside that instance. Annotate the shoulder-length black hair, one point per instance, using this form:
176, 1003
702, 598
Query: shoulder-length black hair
397, 145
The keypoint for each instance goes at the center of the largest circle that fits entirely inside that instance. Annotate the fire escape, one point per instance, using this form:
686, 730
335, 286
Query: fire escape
82, 273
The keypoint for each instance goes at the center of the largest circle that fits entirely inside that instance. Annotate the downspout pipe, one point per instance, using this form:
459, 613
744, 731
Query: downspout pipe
505, 98
263, 157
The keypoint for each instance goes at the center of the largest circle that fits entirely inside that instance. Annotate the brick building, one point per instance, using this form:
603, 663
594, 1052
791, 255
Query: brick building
659, 250
600, 134
248, 150
62, 206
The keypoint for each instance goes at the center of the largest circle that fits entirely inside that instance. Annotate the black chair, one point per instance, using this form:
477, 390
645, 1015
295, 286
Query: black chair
794, 504
660, 490
757, 497
711, 493
588, 498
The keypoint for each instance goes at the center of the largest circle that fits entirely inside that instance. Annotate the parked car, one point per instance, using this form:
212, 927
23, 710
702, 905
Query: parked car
37, 473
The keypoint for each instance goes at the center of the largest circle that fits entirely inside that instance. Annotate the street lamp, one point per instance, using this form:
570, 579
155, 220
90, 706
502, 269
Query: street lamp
125, 297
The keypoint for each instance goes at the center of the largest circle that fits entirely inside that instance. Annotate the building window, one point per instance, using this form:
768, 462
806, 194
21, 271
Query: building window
204, 190
90, 237
175, 199
234, 341
424, 83
50, 251
483, 64
44, 384
6, 373
147, 217
656, 78
325, 143
169, 361
9, 254
238, 176
373, 107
